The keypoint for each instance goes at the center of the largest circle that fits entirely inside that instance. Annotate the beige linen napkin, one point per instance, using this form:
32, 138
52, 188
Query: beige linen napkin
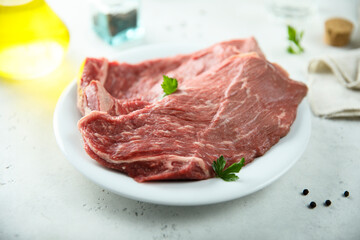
334, 85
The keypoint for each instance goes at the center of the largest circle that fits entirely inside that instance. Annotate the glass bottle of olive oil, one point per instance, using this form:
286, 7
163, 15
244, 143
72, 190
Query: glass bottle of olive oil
33, 39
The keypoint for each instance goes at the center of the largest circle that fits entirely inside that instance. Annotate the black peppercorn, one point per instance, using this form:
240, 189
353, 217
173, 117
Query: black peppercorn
346, 193
305, 192
312, 205
327, 203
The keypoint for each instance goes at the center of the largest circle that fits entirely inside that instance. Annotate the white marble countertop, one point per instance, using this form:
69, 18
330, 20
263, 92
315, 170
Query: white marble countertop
42, 196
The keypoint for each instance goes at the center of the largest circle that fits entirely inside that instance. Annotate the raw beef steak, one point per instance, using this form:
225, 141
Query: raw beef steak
239, 108
102, 83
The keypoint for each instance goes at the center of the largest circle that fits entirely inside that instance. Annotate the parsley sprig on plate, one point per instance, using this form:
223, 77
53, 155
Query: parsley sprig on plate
169, 85
229, 173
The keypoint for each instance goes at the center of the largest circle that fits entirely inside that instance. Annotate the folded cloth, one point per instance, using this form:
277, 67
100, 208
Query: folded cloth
334, 85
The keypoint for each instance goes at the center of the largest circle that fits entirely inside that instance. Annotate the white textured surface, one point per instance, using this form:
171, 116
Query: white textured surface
43, 197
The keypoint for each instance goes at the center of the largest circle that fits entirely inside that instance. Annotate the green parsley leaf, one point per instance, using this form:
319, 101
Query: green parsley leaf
291, 50
294, 40
230, 177
292, 34
219, 164
301, 35
169, 85
229, 173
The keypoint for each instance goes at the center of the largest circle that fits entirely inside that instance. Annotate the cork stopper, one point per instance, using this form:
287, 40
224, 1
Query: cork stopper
338, 31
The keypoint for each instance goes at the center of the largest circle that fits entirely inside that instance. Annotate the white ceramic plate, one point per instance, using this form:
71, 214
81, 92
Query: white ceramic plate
255, 176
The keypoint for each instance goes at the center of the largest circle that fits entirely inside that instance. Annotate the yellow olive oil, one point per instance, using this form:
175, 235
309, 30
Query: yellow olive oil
33, 39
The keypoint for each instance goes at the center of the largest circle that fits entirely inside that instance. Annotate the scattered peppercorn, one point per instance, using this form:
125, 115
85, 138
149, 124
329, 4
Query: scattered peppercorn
327, 203
346, 194
312, 205
305, 192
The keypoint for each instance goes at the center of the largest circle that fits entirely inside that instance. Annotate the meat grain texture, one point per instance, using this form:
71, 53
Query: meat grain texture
230, 101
